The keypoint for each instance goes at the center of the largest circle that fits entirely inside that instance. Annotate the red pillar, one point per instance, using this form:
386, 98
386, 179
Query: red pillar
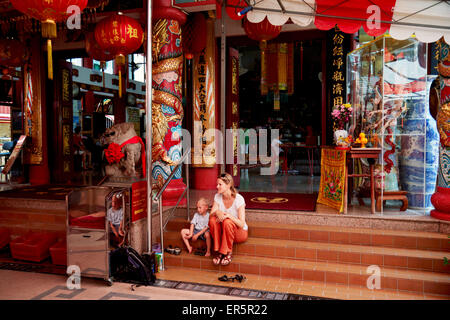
205, 178
167, 97
39, 173
441, 198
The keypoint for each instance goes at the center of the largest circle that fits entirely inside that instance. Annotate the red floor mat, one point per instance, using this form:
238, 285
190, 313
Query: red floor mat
280, 201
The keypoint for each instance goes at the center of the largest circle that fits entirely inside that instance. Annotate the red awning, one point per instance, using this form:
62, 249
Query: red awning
428, 20
359, 10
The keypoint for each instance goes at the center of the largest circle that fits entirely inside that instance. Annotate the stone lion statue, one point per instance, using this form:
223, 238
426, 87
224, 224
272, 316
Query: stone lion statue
125, 150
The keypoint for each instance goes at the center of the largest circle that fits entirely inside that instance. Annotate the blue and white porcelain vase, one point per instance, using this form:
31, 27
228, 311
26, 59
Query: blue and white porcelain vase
419, 152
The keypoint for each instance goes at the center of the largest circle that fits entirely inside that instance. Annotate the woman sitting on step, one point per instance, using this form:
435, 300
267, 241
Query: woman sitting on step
227, 219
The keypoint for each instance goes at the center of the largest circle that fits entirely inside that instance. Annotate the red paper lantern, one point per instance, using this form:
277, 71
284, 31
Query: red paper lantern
121, 35
95, 51
13, 53
194, 35
262, 31
48, 12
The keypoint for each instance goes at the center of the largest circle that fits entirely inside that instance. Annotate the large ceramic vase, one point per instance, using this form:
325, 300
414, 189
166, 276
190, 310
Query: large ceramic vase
419, 152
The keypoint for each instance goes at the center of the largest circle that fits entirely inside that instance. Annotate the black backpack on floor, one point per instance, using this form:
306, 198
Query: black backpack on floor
129, 266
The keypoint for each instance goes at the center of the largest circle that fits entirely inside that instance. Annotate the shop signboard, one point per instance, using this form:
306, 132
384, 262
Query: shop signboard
138, 200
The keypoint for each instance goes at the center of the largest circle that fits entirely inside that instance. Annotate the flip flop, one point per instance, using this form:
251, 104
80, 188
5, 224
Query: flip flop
239, 277
169, 249
226, 260
217, 260
224, 278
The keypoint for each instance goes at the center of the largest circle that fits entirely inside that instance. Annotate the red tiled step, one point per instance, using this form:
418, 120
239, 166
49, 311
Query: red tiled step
273, 284
330, 252
342, 235
422, 282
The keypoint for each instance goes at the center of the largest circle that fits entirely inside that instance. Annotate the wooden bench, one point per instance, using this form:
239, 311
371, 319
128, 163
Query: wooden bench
391, 195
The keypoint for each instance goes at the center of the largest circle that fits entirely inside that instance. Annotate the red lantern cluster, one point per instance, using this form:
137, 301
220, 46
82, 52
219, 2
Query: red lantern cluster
121, 36
262, 31
48, 13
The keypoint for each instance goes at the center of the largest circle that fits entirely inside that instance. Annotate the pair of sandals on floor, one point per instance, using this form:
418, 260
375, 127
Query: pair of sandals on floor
237, 277
222, 259
176, 251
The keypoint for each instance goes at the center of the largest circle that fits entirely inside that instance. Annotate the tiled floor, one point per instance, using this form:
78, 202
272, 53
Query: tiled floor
15, 285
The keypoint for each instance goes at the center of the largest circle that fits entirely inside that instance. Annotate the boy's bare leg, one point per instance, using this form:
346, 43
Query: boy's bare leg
184, 234
208, 244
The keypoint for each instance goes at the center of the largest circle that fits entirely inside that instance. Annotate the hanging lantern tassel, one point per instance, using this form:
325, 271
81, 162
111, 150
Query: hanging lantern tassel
263, 47
120, 61
48, 30
49, 59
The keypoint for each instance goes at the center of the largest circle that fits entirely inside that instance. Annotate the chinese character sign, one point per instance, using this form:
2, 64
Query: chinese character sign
204, 101
338, 69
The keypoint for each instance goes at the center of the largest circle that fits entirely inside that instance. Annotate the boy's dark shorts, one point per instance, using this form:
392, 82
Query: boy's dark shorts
202, 237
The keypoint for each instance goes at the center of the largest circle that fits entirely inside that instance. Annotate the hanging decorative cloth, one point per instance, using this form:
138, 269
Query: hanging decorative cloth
332, 178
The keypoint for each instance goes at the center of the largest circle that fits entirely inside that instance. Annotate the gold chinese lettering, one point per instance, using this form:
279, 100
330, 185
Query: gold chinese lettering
131, 32
338, 51
337, 88
338, 38
338, 62
338, 101
337, 76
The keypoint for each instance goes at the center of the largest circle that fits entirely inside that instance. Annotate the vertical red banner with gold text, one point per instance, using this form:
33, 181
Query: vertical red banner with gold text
138, 200
204, 102
232, 111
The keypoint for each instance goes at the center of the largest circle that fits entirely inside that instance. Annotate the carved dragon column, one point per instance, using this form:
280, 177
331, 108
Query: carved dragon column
441, 198
167, 109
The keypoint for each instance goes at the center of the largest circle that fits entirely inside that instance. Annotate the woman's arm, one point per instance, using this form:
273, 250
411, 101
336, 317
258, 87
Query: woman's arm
216, 212
214, 208
240, 221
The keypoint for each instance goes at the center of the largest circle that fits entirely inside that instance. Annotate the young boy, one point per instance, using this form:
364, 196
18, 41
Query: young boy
199, 227
115, 218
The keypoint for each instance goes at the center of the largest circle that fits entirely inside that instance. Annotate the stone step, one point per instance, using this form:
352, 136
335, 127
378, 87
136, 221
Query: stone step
419, 282
9, 204
412, 259
342, 235
20, 221
253, 283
